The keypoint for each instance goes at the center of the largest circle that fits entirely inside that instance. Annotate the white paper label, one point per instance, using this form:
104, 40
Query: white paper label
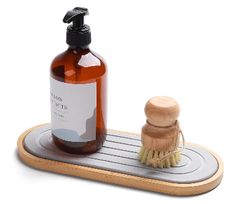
73, 111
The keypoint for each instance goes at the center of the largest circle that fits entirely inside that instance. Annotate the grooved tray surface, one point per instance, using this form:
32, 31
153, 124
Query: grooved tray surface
117, 163
120, 154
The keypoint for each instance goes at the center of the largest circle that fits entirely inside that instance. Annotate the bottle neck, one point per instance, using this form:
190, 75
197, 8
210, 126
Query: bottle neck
78, 48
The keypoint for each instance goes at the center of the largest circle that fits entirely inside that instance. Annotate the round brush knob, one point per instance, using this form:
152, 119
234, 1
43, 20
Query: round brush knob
162, 111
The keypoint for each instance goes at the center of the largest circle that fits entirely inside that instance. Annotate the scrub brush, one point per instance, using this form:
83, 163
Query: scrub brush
160, 135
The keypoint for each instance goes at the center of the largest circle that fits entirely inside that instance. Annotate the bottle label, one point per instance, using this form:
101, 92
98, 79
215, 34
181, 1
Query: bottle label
73, 111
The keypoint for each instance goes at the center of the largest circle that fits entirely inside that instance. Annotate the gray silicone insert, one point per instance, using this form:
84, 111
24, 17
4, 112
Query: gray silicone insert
120, 154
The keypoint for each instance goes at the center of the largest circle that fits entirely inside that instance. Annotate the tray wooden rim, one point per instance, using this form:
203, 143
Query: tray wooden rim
119, 178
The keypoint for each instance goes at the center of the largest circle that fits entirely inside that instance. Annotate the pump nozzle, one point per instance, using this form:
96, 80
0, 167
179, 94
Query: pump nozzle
76, 16
78, 34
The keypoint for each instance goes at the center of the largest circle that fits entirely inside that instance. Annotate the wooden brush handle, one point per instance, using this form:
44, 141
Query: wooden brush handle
161, 131
162, 111
159, 138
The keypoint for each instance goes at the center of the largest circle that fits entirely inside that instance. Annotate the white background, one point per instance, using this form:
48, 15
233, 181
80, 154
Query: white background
180, 48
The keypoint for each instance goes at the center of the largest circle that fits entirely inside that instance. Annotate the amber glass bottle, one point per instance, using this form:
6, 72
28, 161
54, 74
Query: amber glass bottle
78, 91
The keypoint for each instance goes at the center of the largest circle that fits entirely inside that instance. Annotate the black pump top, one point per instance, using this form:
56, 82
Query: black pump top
78, 34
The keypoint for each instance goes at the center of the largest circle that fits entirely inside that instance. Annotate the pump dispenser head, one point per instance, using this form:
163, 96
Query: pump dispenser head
78, 34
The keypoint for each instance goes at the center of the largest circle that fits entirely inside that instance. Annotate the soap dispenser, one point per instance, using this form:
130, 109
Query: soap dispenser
78, 91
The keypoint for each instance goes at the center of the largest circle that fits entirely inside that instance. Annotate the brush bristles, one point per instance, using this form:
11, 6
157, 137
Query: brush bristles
148, 156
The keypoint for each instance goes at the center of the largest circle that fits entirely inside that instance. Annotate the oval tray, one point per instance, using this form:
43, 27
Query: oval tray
199, 171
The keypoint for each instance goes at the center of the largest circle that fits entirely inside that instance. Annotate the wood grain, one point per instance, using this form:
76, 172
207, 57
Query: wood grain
119, 178
162, 111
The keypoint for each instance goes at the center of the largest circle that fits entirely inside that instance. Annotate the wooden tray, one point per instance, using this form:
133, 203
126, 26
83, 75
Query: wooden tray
199, 171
